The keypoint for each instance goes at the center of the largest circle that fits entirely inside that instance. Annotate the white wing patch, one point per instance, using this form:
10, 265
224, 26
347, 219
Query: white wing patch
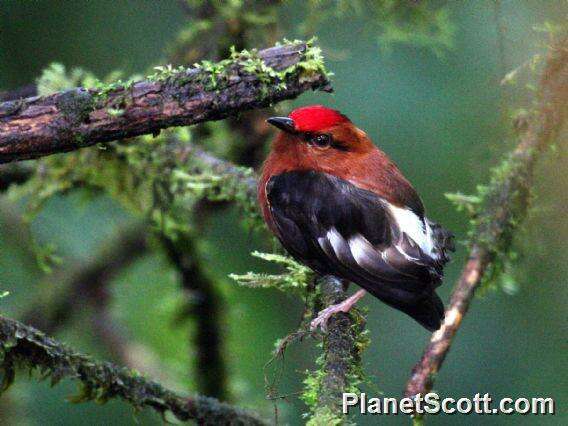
336, 240
361, 249
366, 255
338, 244
417, 230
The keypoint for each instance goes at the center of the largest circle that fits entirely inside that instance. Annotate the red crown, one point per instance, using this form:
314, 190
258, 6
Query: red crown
314, 118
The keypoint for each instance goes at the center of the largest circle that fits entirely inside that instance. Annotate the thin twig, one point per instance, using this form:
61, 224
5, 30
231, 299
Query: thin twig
24, 346
507, 203
70, 120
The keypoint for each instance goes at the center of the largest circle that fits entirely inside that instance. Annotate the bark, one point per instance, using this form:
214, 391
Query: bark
19, 93
66, 121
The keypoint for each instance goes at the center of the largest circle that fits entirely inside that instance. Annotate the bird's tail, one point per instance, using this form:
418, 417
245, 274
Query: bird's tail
429, 312
444, 241
427, 309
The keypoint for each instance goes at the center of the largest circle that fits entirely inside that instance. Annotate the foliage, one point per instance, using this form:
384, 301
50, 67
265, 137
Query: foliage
419, 24
55, 78
296, 278
490, 202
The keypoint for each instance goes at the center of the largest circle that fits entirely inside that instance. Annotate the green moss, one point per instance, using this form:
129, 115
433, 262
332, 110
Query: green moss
115, 112
120, 100
312, 63
495, 212
324, 416
296, 277
55, 78
75, 105
216, 76
77, 102
315, 395
312, 384
417, 420
166, 72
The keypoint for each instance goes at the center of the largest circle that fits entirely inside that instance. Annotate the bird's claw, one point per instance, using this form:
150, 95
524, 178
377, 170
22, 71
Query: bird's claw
324, 315
345, 306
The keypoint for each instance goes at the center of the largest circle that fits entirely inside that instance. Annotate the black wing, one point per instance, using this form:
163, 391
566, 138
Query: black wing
336, 228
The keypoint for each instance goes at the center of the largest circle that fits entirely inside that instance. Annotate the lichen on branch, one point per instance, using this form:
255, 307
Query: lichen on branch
72, 119
159, 179
25, 347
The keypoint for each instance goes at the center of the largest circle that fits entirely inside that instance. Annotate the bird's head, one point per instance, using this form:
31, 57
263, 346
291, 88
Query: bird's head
320, 133
320, 139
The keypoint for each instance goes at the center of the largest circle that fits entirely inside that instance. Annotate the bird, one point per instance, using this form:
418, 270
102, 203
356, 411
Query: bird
340, 206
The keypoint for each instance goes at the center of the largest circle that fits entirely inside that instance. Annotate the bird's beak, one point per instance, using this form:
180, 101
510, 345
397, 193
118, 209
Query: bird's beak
283, 123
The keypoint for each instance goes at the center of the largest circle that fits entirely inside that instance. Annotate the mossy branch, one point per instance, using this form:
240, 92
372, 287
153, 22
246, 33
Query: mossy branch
339, 366
503, 206
66, 121
23, 346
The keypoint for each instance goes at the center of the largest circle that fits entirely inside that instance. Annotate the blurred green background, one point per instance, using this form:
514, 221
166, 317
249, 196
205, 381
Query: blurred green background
441, 114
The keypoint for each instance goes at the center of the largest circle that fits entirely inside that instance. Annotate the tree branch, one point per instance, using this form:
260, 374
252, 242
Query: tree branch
19, 93
506, 204
341, 366
217, 166
70, 120
21, 345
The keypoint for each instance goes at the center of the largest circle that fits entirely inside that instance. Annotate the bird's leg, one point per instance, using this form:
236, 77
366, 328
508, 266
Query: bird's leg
345, 306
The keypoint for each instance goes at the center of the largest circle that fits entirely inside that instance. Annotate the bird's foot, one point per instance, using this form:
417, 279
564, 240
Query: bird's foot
345, 306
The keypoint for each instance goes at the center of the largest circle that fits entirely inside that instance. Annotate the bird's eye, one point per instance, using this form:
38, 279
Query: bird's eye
321, 141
